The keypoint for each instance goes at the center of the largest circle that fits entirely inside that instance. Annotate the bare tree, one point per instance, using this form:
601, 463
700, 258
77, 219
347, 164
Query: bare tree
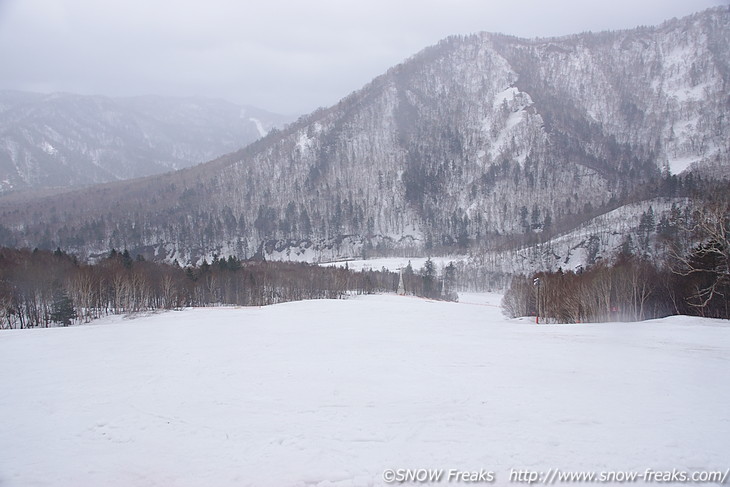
707, 266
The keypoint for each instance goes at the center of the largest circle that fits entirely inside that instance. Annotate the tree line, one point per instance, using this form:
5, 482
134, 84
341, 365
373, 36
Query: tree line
39, 288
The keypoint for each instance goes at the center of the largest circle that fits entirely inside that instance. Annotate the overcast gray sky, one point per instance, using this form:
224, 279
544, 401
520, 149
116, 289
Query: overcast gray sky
282, 55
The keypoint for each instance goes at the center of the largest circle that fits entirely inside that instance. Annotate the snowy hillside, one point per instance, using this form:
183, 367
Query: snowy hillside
64, 140
600, 238
635, 228
333, 393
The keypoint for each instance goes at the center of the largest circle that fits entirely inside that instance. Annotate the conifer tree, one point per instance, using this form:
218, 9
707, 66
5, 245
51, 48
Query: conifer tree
63, 310
429, 279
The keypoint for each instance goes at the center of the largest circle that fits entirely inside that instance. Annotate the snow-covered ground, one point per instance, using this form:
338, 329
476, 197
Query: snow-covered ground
333, 393
395, 263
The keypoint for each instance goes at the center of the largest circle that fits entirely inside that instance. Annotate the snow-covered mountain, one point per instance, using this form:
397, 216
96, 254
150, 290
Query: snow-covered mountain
65, 140
472, 141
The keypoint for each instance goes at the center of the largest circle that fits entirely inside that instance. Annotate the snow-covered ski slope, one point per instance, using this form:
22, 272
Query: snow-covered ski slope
333, 393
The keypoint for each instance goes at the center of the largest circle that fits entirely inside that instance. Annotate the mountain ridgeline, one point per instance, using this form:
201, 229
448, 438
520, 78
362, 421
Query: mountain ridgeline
69, 140
476, 140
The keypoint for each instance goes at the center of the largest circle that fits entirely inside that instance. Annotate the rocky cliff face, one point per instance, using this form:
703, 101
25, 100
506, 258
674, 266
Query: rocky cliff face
475, 140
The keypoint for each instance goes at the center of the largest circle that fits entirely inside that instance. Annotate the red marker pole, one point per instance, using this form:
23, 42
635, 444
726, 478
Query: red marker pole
537, 283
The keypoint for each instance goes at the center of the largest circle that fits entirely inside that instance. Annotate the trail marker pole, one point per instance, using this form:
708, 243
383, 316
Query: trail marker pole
537, 282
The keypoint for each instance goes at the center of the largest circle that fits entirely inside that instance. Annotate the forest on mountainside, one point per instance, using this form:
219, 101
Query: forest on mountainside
635, 287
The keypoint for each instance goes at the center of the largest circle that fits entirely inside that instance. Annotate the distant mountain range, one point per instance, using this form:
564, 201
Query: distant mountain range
69, 140
477, 140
